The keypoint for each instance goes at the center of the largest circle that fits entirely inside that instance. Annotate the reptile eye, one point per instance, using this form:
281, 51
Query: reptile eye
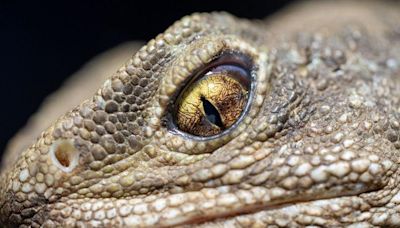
214, 101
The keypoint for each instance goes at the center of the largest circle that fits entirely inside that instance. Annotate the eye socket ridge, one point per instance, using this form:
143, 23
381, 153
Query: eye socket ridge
215, 99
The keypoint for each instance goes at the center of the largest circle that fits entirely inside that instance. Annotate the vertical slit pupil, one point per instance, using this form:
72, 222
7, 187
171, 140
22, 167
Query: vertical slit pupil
212, 113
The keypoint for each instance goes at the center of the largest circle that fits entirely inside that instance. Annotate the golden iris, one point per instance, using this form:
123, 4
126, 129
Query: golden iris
211, 104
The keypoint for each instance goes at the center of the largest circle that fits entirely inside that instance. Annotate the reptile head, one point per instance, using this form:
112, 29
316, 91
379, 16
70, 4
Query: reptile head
315, 140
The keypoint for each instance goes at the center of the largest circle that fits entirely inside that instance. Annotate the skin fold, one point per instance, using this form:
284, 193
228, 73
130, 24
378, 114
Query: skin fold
317, 145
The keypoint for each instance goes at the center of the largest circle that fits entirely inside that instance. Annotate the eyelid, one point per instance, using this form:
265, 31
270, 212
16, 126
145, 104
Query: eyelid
227, 57
237, 71
230, 58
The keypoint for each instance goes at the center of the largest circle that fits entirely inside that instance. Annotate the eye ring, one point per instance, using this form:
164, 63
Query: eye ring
227, 62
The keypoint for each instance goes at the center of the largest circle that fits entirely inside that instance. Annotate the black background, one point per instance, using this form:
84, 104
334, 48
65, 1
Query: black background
42, 43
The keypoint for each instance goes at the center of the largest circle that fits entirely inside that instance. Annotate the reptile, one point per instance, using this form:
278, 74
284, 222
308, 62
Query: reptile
291, 121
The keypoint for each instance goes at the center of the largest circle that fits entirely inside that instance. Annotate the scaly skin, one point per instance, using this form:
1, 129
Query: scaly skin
318, 146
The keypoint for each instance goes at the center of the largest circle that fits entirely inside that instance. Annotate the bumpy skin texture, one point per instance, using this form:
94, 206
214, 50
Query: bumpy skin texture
318, 146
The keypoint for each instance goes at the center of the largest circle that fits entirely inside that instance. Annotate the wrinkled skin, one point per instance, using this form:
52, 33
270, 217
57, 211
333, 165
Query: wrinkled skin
318, 145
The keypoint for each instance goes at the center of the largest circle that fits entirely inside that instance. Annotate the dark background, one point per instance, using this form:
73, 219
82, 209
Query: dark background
42, 43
